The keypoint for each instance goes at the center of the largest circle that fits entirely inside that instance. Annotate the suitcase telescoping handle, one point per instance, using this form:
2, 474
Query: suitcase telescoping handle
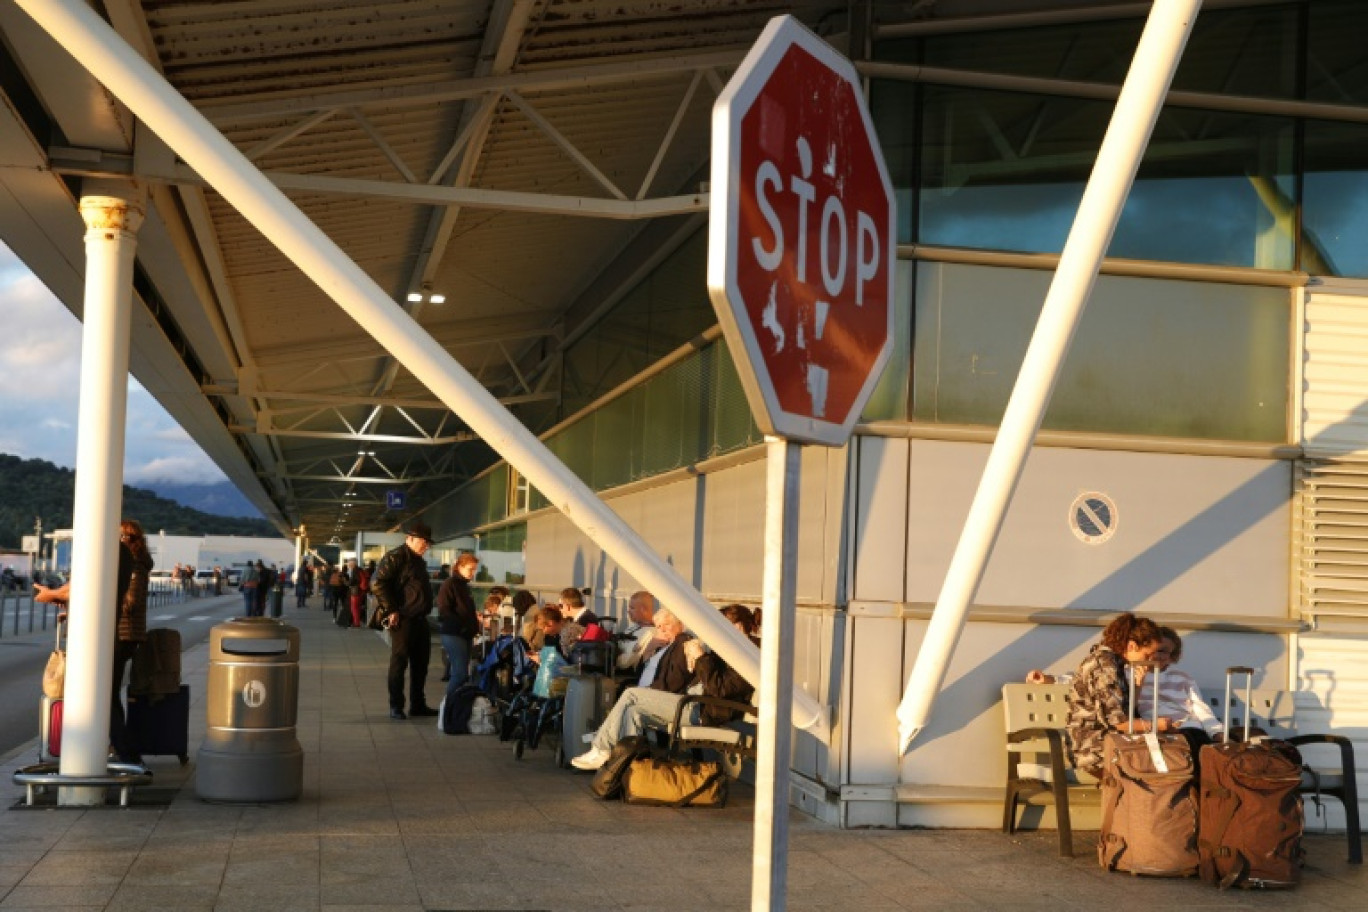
1249, 694
1154, 703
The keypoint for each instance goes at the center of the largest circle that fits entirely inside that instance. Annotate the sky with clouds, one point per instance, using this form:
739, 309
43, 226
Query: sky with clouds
40, 368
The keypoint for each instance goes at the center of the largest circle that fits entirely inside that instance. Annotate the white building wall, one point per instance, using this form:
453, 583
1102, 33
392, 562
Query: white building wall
1198, 539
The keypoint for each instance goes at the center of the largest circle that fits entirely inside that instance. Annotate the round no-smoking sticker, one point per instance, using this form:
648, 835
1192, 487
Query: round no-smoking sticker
1092, 517
254, 694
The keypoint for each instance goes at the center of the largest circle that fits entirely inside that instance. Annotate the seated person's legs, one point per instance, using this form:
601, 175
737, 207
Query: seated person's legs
637, 709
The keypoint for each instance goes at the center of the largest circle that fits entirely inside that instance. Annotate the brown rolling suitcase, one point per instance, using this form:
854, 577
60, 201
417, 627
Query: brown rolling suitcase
1149, 801
1252, 818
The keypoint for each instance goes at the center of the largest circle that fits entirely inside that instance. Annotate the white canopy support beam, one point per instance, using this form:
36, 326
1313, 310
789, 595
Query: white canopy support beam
414, 440
287, 133
127, 76
72, 161
112, 222
364, 479
668, 139
1156, 58
566, 146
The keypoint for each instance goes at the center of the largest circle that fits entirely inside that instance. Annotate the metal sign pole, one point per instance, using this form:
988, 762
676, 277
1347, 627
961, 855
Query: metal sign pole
769, 869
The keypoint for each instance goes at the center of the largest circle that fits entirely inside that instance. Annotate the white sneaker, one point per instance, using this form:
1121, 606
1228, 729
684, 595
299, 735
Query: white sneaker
591, 760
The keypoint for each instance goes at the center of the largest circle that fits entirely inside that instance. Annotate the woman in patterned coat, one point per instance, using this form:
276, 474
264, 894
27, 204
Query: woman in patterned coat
1100, 691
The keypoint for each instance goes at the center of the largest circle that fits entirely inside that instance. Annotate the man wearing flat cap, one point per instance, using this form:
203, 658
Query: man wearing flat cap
404, 595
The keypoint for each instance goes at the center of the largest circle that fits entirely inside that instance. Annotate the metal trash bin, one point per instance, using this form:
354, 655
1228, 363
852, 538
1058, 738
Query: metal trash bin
251, 752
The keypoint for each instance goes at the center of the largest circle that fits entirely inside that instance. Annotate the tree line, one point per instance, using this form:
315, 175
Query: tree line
32, 488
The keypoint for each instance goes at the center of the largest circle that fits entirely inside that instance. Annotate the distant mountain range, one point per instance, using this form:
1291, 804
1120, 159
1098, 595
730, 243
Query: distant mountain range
32, 488
222, 499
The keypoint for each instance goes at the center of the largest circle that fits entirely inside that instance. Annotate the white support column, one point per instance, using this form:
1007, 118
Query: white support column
111, 224
299, 555
90, 40
769, 853
1137, 108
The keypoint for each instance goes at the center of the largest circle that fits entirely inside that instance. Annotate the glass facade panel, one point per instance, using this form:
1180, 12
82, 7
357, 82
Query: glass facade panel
664, 311
734, 426
1335, 70
1006, 171
889, 399
1335, 200
1235, 52
1152, 357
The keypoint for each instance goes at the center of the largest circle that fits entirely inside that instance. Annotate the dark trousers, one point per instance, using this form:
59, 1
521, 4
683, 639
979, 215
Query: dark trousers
410, 647
119, 738
1197, 738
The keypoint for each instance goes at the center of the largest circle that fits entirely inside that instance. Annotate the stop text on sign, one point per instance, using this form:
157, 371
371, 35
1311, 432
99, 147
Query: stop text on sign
833, 234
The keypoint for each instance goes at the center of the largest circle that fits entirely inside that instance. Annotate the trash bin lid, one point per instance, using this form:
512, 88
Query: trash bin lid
249, 639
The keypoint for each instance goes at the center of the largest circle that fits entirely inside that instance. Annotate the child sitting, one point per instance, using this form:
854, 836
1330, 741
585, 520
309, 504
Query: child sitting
1180, 702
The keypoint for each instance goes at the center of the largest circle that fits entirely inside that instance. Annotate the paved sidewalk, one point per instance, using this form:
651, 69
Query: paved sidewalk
458, 823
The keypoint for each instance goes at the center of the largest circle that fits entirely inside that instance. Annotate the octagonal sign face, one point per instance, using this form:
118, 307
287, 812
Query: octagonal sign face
800, 245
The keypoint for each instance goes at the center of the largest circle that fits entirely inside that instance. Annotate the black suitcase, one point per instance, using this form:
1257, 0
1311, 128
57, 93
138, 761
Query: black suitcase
161, 725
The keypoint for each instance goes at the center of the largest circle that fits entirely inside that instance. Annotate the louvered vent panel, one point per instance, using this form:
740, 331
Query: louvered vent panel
1334, 536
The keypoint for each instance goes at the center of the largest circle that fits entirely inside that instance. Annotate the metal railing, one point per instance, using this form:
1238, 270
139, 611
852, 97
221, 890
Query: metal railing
18, 608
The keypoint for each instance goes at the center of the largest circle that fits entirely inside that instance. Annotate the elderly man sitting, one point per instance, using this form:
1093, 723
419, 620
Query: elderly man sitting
665, 680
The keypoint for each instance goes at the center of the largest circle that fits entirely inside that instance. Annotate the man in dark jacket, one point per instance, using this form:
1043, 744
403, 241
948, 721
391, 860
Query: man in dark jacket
457, 621
404, 594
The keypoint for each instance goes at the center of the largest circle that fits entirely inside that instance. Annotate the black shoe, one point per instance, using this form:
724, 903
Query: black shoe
398, 715
422, 711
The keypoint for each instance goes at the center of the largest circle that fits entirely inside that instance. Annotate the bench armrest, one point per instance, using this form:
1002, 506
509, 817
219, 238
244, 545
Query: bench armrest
1052, 736
744, 709
1346, 748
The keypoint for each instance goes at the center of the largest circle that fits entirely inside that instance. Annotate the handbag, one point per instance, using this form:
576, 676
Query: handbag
665, 782
376, 621
54, 675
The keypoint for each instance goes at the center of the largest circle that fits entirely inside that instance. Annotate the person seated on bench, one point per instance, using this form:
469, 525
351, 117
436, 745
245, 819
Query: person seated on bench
1180, 701
637, 643
1099, 696
682, 663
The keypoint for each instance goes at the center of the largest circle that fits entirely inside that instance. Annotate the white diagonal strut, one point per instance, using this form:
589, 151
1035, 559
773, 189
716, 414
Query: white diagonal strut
1137, 108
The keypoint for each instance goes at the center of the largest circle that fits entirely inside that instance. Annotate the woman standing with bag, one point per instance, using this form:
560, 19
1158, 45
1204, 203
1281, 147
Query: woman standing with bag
131, 584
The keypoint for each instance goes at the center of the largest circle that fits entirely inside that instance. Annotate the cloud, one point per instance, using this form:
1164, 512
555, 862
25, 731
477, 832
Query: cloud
188, 469
40, 372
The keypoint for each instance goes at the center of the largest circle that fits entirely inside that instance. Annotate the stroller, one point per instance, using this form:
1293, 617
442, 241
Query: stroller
505, 670
538, 708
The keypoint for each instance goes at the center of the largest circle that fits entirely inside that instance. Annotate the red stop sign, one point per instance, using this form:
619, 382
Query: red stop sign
801, 242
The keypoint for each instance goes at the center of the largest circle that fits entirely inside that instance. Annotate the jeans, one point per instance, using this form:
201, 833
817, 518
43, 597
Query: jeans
249, 600
637, 707
458, 651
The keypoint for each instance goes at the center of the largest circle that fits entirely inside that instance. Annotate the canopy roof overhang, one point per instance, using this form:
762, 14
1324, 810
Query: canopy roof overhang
519, 160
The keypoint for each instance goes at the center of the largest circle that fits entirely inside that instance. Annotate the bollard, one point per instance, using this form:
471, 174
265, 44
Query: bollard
251, 752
